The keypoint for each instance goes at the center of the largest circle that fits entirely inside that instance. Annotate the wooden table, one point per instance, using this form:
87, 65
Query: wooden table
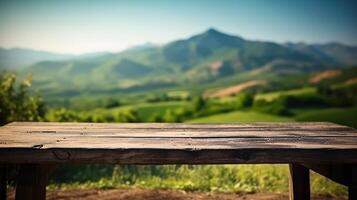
326, 148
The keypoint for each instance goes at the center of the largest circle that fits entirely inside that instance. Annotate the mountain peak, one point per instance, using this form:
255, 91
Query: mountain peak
213, 31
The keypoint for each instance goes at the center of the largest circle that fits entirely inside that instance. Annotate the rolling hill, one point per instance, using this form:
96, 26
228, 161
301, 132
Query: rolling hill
19, 58
208, 57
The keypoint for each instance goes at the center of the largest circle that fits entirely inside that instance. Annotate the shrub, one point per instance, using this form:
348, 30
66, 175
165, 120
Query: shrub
63, 115
274, 107
15, 102
245, 100
112, 103
129, 115
301, 101
199, 104
156, 118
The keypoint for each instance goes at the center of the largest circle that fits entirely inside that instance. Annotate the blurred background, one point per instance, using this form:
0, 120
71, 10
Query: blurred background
179, 61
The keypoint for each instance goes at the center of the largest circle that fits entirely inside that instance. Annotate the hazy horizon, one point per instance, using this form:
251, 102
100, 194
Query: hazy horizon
160, 44
110, 26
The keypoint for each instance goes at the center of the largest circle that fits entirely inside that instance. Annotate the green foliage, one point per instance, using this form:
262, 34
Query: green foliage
346, 116
245, 100
216, 178
171, 96
63, 115
274, 107
283, 104
156, 118
177, 115
128, 115
112, 103
300, 101
270, 96
199, 104
240, 117
16, 104
338, 96
170, 116
154, 112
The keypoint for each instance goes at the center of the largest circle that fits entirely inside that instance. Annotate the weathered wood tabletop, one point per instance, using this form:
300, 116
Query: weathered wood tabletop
177, 143
320, 146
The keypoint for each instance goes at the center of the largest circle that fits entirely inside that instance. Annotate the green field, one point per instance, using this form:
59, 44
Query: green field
207, 178
241, 117
346, 116
273, 95
146, 110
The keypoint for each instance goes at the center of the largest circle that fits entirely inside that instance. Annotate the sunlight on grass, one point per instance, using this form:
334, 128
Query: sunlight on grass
207, 178
242, 117
273, 95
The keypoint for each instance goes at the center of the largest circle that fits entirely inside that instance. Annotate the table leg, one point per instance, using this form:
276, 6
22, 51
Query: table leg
3, 182
32, 181
299, 182
352, 188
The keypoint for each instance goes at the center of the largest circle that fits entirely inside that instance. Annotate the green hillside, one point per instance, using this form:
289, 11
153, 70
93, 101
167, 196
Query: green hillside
211, 58
346, 116
276, 94
241, 117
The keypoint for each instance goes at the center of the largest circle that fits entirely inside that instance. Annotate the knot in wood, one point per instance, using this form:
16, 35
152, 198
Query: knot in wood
61, 155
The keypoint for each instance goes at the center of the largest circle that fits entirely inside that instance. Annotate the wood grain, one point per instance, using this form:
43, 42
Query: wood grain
151, 143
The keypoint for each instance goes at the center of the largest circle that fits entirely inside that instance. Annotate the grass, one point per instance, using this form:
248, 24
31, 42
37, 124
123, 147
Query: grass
345, 116
207, 178
241, 116
146, 110
273, 95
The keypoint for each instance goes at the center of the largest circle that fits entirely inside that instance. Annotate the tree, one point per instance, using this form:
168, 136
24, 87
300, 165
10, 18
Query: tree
62, 115
128, 115
245, 100
16, 104
199, 104
111, 103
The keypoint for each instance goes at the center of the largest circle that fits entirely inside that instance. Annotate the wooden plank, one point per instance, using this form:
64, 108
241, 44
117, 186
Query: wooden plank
262, 124
103, 126
183, 130
321, 141
111, 142
174, 156
32, 181
299, 182
178, 133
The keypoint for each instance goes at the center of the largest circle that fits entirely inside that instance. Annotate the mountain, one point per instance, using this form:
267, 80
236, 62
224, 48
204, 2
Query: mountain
347, 55
140, 47
18, 58
335, 53
211, 56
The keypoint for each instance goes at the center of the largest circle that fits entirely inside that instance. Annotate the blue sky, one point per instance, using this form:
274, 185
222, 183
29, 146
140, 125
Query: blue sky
80, 26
